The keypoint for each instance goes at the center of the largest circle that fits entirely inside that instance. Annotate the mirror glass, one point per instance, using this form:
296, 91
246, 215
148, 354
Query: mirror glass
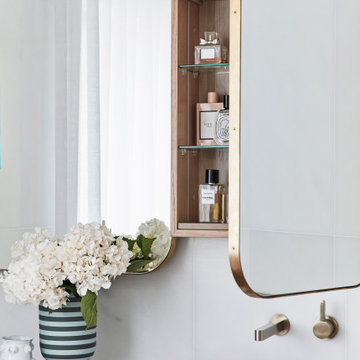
300, 145
49, 165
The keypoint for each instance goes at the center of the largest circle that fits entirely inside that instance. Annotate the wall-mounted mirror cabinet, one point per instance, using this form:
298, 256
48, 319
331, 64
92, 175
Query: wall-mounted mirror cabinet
40, 86
198, 71
295, 145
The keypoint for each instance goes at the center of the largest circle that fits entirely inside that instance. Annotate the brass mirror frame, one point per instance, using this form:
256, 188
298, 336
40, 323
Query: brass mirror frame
166, 260
235, 159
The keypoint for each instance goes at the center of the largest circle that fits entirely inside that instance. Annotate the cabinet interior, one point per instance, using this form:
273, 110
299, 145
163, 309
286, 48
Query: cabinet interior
189, 87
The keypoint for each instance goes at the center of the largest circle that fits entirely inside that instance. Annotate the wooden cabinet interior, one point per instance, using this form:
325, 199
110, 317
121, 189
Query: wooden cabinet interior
189, 22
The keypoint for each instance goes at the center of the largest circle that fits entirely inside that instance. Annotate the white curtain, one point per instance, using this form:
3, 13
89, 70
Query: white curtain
135, 60
77, 113
85, 115
89, 191
67, 80
113, 109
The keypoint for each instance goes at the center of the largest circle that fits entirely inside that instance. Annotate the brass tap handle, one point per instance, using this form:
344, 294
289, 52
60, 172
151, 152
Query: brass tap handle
279, 325
326, 327
322, 311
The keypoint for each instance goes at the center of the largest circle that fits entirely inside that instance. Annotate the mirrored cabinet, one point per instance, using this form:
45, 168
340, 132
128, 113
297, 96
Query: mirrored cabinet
200, 118
290, 169
294, 146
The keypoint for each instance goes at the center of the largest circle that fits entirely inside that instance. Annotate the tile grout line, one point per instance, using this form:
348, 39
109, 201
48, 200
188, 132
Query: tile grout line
346, 322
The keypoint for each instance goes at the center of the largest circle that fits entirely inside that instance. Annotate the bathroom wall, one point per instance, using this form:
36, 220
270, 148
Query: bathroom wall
26, 120
191, 309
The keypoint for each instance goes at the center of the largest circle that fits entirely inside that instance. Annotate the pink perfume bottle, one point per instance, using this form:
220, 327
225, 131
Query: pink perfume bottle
206, 116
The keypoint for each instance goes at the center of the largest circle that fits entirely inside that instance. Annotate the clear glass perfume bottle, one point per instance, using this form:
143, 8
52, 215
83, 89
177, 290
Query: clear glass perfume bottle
209, 50
212, 199
221, 135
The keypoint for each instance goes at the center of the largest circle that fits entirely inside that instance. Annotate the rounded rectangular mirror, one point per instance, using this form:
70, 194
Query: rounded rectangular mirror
295, 151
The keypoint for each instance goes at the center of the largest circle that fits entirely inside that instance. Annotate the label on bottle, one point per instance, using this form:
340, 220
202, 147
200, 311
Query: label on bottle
222, 128
207, 124
207, 54
207, 197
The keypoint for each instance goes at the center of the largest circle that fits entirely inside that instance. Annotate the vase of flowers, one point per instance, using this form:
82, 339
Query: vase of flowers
64, 275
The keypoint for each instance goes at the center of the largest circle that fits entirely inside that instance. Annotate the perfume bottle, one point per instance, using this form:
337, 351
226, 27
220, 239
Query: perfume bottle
209, 51
206, 115
222, 124
212, 199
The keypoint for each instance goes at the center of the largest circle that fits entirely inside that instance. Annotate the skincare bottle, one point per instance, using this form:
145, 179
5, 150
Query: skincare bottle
209, 50
221, 135
206, 115
212, 199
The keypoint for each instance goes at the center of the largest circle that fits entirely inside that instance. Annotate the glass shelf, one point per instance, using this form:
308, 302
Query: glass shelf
203, 226
198, 147
196, 68
194, 149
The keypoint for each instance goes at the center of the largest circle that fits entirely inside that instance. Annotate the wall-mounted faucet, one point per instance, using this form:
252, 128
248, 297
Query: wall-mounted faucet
326, 327
279, 325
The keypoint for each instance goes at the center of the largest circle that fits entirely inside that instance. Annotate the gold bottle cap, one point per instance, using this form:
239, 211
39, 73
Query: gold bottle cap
212, 97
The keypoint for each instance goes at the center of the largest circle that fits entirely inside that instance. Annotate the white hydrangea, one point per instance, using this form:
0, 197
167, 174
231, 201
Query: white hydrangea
35, 273
160, 248
91, 257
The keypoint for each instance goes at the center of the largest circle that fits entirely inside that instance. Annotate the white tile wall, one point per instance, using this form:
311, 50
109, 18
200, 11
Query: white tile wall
193, 310
26, 177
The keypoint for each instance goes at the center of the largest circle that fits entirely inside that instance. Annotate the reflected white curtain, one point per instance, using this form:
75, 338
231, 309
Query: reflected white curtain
77, 113
135, 112
67, 36
89, 192
113, 107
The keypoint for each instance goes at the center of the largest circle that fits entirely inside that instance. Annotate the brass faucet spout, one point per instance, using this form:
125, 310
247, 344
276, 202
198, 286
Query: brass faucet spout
278, 325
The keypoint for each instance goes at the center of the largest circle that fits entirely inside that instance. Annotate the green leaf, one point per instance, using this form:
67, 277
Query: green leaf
145, 244
130, 242
89, 309
138, 264
71, 288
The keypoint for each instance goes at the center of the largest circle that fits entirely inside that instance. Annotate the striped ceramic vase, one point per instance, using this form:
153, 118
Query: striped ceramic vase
63, 333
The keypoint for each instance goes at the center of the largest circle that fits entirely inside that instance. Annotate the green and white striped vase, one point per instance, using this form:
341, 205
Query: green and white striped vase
63, 333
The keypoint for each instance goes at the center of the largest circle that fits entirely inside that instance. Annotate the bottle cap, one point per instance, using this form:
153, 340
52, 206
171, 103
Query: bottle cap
226, 102
212, 97
212, 176
211, 35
